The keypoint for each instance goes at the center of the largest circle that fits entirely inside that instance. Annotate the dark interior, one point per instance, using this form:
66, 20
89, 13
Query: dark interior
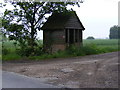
71, 36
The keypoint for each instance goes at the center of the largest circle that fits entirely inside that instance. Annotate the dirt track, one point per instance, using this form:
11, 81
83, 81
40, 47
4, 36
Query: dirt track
93, 71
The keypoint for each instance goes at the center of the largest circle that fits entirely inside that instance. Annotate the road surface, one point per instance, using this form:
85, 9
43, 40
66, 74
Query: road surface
13, 80
92, 71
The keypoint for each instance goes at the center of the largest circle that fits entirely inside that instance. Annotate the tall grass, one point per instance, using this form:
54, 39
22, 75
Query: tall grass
106, 44
86, 49
9, 50
89, 47
101, 42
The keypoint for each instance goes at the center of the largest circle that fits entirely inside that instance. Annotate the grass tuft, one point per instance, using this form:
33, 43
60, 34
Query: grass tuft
9, 57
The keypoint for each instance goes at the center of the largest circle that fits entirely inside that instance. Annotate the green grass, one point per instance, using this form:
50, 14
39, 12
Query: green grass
106, 44
10, 50
101, 42
11, 57
89, 47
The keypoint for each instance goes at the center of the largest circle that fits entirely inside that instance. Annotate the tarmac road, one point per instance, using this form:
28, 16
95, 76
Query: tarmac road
13, 80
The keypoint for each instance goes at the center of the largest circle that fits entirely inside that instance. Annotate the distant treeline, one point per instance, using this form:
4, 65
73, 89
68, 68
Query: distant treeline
114, 32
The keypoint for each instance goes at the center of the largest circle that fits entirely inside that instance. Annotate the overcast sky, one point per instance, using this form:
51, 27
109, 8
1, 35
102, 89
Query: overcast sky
97, 17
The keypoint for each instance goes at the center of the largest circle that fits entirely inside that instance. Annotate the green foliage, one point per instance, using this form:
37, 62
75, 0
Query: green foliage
28, 19
114, 32
89, 47
9, 57
75, 51
9, 49
90, 37
104, 45
5, 51
0, 22
27, 51
101, 42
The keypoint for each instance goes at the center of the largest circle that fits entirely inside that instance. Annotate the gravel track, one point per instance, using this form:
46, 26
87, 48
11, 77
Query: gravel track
92, 71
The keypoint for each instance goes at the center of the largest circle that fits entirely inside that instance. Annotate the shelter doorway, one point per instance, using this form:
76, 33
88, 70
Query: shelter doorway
69, 36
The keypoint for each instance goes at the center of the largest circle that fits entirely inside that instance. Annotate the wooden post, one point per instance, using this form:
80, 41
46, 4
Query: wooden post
68, 36
65, 39
81, 36
74, 35
78, 36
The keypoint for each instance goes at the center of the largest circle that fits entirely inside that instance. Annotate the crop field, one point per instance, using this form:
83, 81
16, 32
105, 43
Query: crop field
90, 47
103, 43
99, 42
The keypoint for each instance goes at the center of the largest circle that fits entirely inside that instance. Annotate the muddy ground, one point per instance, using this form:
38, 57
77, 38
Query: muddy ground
93, 71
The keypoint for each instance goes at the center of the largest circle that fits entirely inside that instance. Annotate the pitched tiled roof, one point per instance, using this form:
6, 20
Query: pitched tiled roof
63, 20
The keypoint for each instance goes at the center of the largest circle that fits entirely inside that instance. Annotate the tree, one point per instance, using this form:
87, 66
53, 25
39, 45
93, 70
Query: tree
90, 37
114, 32
0, 22
22, 23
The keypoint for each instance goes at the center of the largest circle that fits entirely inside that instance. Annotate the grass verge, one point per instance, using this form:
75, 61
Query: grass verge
89, 47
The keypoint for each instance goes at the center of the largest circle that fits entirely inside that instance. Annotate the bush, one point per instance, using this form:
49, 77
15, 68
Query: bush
11, 57
75, 51
5, 51
90, 49
90, 37
28, 51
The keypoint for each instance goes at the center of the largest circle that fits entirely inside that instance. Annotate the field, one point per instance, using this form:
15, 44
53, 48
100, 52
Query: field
103, 43
89, 47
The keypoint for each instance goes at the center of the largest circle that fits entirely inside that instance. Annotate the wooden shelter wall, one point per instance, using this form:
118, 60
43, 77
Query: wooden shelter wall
53, 37
58, 37
46, 40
